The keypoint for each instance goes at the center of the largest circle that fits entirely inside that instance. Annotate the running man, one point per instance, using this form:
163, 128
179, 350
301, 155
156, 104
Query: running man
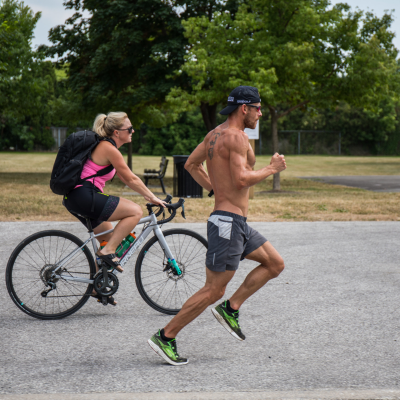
230, 160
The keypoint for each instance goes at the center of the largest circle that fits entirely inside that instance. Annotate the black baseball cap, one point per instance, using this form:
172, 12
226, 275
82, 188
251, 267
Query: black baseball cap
241, 95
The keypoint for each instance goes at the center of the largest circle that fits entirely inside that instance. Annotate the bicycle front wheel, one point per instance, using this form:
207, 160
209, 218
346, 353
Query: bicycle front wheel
159, 287
31, 265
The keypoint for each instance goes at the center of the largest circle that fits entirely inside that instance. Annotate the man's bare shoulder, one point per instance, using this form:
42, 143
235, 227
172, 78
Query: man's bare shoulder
215, 131
235, 139
225, 130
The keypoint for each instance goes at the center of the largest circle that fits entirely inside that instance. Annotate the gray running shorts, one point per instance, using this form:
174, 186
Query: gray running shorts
230, 240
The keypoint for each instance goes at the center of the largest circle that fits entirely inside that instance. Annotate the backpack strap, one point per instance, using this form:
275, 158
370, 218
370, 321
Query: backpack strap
106, 139
105, 170
110, 140
102, 172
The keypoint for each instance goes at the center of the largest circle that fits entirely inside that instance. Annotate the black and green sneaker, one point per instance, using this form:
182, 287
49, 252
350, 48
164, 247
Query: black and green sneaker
166, 349
230, 321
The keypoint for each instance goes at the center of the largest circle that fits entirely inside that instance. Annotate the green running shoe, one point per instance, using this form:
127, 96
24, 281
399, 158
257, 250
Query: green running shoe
166, 350
230, 321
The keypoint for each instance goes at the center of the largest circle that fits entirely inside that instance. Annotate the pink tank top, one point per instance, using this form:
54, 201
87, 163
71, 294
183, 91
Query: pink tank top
90, 168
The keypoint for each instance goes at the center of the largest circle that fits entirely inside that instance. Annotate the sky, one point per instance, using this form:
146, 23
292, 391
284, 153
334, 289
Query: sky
54, 13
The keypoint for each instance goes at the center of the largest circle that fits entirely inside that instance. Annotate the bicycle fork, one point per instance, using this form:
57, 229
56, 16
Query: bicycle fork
171, 259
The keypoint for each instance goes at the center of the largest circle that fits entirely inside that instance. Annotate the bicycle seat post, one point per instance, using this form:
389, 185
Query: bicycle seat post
90, 230
89, 226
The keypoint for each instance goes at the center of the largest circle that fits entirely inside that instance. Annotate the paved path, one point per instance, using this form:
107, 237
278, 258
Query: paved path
249, 395
328, 327
376, 183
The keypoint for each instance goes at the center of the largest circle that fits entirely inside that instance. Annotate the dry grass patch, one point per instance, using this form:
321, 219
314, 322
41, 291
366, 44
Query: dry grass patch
26, 196
297, 165
335, 165
43, 162
305, 200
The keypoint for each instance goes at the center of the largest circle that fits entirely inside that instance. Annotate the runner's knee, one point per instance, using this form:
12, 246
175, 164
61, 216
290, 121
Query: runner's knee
277, 267
214, 294
218, 294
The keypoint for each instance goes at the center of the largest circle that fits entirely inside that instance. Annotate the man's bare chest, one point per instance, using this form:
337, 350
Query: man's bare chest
251, 158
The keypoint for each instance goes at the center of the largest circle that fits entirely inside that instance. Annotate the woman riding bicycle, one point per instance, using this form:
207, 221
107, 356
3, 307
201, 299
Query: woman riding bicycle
88, 199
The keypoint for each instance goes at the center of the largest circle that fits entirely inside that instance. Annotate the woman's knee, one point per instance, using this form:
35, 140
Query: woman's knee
138, 211
134, 210
126, 209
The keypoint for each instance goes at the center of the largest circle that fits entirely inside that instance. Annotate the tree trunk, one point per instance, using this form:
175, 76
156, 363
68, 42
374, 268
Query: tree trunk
130, 155
209, 113
275, 146
3, 123
141, 134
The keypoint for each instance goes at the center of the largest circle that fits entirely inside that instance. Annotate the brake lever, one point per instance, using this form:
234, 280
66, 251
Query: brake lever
183, 211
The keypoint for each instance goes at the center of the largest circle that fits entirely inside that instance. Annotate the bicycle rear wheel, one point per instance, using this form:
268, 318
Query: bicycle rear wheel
159, 287
31, 265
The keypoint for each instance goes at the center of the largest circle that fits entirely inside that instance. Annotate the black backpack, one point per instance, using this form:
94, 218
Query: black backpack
71, 158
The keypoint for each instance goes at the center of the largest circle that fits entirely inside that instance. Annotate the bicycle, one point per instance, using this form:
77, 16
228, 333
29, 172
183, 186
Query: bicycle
51, 274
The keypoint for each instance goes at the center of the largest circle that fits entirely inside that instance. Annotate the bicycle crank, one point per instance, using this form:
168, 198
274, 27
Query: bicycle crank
105, 286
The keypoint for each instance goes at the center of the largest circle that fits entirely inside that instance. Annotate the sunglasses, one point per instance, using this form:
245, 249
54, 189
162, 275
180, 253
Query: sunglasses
130, 129
257, 107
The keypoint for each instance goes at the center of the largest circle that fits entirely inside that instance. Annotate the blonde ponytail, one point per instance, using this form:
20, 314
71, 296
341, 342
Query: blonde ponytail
105, 125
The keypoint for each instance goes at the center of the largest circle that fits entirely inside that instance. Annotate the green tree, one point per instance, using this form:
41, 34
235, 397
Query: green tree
26, 82
298, 54
66, 105
180, 137
123, 56
362, 131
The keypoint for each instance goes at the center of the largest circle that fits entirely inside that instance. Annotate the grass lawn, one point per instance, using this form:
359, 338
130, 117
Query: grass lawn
25, 194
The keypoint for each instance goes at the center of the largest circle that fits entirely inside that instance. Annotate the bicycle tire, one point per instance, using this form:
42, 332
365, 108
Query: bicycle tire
149, 260
46, 246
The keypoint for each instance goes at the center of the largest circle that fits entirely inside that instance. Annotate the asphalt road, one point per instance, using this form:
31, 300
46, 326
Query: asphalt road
375, 183
328, 327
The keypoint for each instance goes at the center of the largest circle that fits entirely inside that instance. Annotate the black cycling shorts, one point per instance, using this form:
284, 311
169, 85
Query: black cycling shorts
89, 201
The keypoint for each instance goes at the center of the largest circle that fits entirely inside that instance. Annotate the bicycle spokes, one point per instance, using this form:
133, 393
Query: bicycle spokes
158, 279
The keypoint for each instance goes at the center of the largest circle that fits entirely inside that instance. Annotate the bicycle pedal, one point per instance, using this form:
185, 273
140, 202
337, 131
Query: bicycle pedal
104, 300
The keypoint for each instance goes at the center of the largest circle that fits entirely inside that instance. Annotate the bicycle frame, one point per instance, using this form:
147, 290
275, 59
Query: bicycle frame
153, 226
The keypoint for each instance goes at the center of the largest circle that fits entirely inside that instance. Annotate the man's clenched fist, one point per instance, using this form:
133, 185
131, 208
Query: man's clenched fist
278, 162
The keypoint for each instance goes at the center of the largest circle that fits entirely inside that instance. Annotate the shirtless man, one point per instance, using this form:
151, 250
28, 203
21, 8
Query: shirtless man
230, 160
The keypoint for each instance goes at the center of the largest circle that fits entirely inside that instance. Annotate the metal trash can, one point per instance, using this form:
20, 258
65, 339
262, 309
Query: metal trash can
184, 184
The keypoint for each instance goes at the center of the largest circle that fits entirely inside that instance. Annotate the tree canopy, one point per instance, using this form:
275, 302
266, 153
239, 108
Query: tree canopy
26, 81
298, 54
303, 55
124, 55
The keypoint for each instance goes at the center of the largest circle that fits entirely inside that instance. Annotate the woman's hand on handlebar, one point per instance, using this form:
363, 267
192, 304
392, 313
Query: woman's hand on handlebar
155, 200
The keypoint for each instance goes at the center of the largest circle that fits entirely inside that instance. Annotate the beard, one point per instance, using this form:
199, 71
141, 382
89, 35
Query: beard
250, 122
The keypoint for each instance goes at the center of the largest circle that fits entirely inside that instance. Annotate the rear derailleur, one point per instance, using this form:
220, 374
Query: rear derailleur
49, 278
